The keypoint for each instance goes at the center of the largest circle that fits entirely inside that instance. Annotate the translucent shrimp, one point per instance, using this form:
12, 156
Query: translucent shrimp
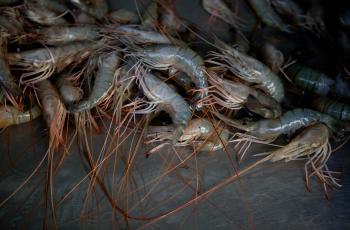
164, 97
45, 12
288, 123
184, 59
134, 34
66, 34
9, 115
250, 70
54, 111
103, 83
312, 144
235, 95
42, 63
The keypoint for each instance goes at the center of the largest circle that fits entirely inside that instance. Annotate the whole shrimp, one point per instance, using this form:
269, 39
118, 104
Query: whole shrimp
9, 115
104, 79
288, 123
249, 69
54, 111
65, 34
218, 8
334, 108
309, 79
184, 59
235, 95
96, 8
268, 16
68, 91
212, 136
164, 97
43, 62
312, 144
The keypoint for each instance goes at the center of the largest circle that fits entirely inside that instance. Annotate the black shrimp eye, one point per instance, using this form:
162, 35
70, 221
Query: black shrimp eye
244, 122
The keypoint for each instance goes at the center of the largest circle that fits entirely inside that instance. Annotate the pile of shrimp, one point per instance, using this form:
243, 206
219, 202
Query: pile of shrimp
80, 64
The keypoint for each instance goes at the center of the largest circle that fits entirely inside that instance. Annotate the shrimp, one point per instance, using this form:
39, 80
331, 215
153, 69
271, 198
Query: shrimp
272, 56
250, 70
135, 35
334, 108
312, 144
310, 79
42, 15
69, 93
207, 135
235, 95
268, 16
218, 8
42, 63
54, 111
7, 82
66, 34
96, 8
164, 97
288, 123
163, 57
123, 16
9, 115
104, 79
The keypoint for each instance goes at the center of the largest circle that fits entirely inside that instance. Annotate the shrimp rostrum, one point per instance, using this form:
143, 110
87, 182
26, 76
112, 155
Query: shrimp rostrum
163, 97
235, 95
249, 69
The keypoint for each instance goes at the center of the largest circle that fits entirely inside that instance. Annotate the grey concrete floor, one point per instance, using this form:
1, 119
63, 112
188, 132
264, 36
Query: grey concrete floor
272, 196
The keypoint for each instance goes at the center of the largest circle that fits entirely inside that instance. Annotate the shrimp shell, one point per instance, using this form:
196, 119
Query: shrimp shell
103, 83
